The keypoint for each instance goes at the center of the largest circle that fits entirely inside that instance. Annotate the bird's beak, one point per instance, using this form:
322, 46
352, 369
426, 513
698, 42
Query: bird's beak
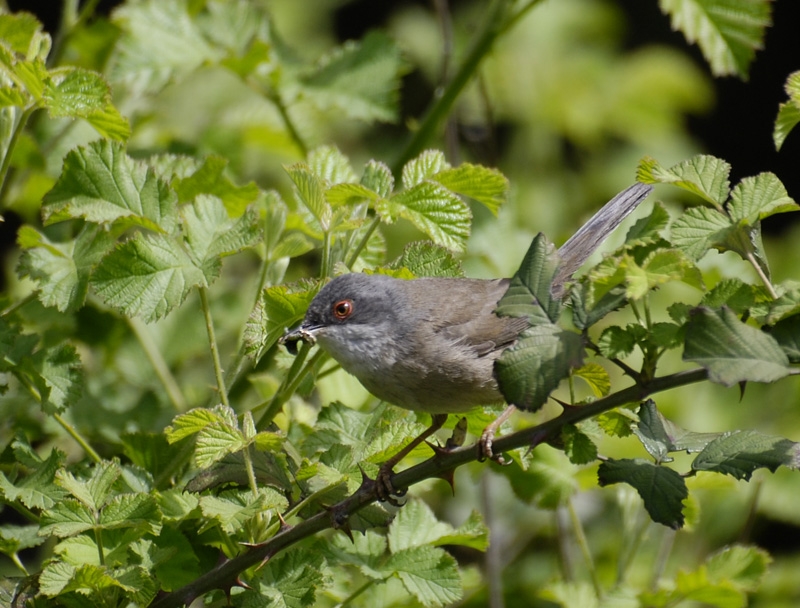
300, 334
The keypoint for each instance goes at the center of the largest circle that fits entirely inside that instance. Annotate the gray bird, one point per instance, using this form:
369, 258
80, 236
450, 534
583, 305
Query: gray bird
430, 344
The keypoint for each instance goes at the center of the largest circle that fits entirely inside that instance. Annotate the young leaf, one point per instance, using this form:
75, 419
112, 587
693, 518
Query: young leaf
103, 185
277, 309
18, 30
146, 276
648, 229
378, 178
487, 186
699, 229
616, 342
210, 178
532, 368
37, 490
732, 351
424, 167
703, 175
194, 421
311, 190
742, 566
331, 165
596, 376
429, 574
360, 79
426, 259
67, 518
739, 453
662, 489
755, 198
577, 445
437, 212
95, 491
787, 119
728, 32
216, 441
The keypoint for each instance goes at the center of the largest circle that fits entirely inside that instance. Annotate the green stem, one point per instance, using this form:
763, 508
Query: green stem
356, 593
762, 275
325, 269
583, 543
15, 558
98, 538
158, 363
78, 438
212, 340
363, 242
23, 120
289, 123
251, 474
498, 20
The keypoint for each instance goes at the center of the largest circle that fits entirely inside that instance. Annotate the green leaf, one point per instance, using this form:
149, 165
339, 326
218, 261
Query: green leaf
95, 491
349, 194
378, 178
739, 453
37, 490
662, 489
426, 259
60, 378
755, 198
785, 122
331, 165
744, 567
596, 376
615, 342
194, 421
18, 30
702, 175
437, 212
429, 574
62, 270
210, 178
79, 93
787, 333
311, 190
103, 185
532, 368
66, 518
278, 308
728, 32
211, 234
577, 445
359, 79
215, 441
14, 538
661, 436
232, 509
732, 351
289, 580
416, 525
699, 229
528, 294
648, 229
159, 41
424, 167
139, 511
733, 293
147, 276
487, 186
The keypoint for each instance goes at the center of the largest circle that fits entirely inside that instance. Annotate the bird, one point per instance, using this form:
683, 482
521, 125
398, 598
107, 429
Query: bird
430, 344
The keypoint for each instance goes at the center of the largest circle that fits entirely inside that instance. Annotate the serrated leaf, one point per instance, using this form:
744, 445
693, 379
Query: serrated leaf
215, 441
703, 175
732, 351
311, 190
194, 421
429, 574
211, 234
787, 333
331, 165
529, 294
661, 436
699, 229
577, 445
426, 259
785, 122
487, 186
210, 178
278, 308
289, 581
360, 79
349, 194
728, 32
378, 178
103, 185
739, 453
662, 489
596, 376
147, 276
159, 41
743, 566
437, 212
94, 491
416, 525
615, 342
755, 198
733, 293
139, 511
648, 229
80, 93
232, 509
37, 490
531, 369
425, 166
60, 377
18, 30
66, 518
617, 423
62, 270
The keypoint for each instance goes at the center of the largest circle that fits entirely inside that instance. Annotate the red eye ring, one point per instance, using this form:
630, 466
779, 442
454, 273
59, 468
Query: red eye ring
342, 309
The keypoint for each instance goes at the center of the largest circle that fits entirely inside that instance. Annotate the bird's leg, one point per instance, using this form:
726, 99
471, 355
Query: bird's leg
487, 437
384, 482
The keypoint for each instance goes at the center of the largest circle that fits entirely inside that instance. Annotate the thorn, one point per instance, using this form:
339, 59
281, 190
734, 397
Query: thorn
284, 526
240, 583
263, 562
448, 477
742, 386
438, 450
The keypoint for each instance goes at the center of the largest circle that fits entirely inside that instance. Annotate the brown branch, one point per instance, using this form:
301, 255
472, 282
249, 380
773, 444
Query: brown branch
226, 574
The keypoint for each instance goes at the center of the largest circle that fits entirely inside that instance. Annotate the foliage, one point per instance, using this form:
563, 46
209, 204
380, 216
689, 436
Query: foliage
177, 451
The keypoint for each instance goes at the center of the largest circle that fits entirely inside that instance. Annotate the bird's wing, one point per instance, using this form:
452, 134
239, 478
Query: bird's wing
472, 322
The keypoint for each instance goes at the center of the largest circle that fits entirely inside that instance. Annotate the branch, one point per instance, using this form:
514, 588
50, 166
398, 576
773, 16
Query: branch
226, 574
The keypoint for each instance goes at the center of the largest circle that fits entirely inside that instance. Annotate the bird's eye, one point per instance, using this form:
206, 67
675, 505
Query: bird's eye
343, 309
